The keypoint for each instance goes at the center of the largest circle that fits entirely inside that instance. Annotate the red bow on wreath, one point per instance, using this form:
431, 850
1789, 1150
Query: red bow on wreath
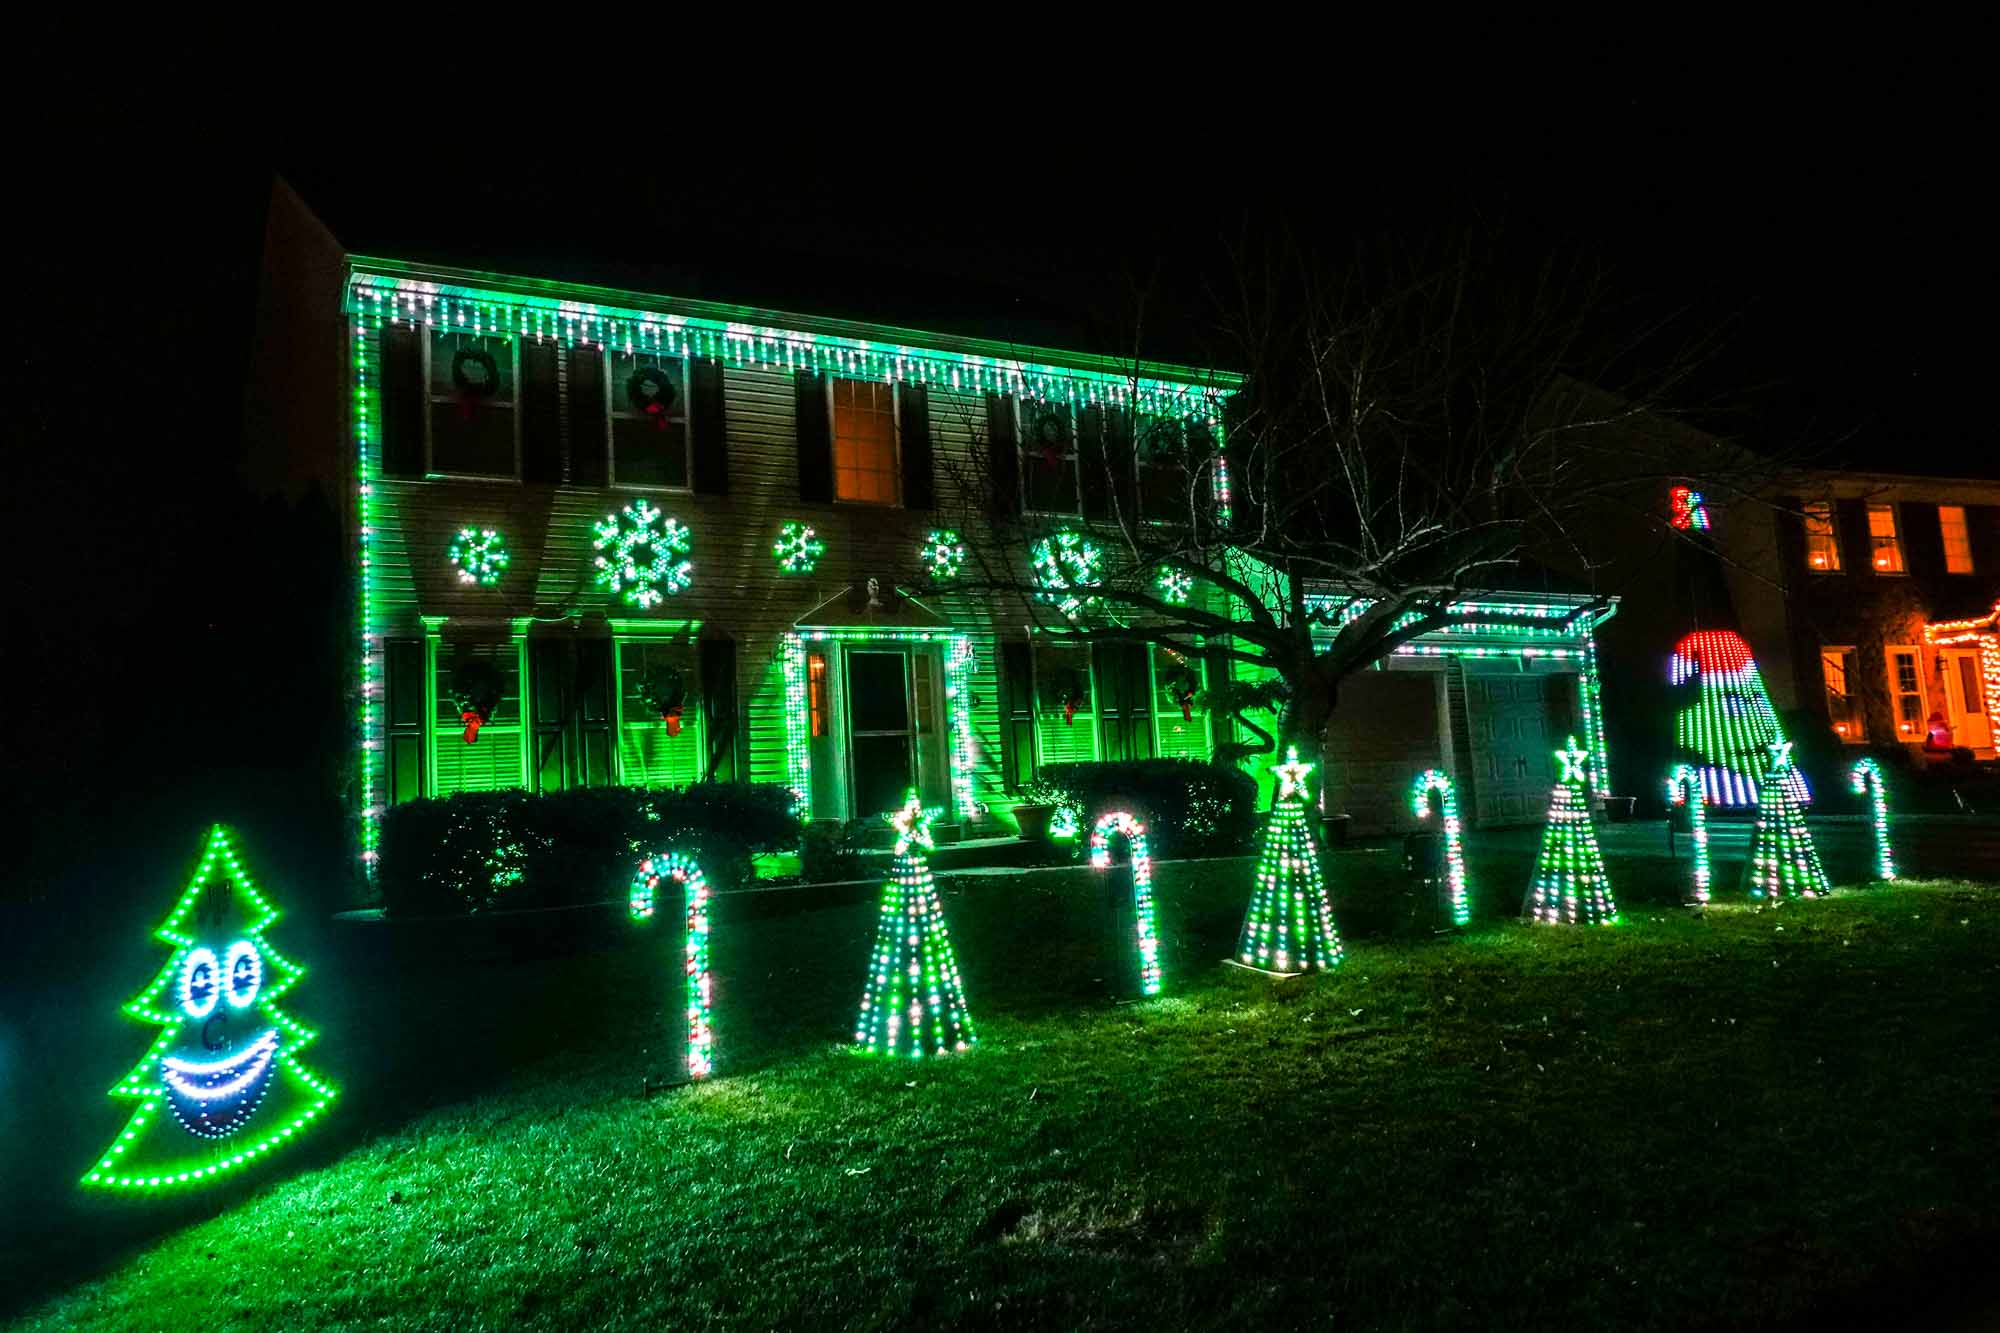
672, 717
1186, 700
473, 722
1070, 705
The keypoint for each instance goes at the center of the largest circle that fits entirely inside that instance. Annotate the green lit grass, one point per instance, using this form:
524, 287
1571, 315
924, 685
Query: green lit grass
1681, 1122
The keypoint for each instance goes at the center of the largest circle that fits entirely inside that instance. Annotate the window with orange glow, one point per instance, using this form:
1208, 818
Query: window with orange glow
1957, 539
1822, 547
816, 692
1885, 548
1840, 706
864, 442
1906, 687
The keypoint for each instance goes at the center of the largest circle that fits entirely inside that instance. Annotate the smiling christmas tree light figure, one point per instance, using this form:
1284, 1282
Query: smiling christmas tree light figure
1436, 780
1289, 926
1571, 886
1684, 793
225, 1066
1866, 779
914, 1003
1783, 861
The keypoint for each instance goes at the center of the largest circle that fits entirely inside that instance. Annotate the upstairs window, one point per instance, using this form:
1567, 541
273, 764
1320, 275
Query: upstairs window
1957, 539
472, 379
865, 466
649, 422
1161, 456
1885, 548
1822, 546
1047, 435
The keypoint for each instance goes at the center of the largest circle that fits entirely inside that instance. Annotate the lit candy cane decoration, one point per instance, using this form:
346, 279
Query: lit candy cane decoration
1439, 781
672, 866
1866, 776
1119, 822
1684, 789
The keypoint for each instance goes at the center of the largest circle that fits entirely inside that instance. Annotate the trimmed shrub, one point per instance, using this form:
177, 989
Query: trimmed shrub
1190, 808
481, 851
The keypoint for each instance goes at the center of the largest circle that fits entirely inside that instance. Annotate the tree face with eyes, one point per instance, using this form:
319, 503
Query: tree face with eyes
222, 1084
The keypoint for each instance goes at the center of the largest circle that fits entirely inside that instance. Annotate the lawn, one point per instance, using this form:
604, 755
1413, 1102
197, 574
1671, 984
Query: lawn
1726, 1119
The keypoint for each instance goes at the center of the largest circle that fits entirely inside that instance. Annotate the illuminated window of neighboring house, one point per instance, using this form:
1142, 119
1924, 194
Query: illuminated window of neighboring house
864, 441
649, 427
1906, 692
1047, 433
1885, 549
1957, 539
1822, 546
1836, 667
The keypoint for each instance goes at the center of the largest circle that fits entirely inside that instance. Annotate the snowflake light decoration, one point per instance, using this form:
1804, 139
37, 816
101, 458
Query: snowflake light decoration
479, 555
641, 559
1175, 585
943, 555
797, 549
1064, 562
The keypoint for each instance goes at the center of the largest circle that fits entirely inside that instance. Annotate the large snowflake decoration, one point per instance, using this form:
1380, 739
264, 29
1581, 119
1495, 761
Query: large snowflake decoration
640, 558
1066, 562
942, 554
479, 555
1175, 585
797, 549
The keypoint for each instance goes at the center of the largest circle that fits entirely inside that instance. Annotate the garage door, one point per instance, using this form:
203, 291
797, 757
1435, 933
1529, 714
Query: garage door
1516, 723
1385, 731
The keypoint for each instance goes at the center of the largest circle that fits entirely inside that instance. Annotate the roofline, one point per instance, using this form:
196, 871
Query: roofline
647, 303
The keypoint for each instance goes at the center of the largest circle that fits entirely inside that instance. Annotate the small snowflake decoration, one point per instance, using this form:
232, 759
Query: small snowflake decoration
1291, 776
797, 550
641, 559
943, 555
1175, 585
479, 555
1065, 562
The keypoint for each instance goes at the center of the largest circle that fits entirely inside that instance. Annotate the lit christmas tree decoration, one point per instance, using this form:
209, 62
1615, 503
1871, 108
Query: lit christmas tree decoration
1684, 792
1437, 780
1729, 722
643, 560
1689, 511
914, 1003
1064, 563
674, 868
1065, 823
1783, 861
1866, 779
479, 555
225, 1066
1175, 585
1571, 886
1115, 824
1289, 925
942, 555
797, 550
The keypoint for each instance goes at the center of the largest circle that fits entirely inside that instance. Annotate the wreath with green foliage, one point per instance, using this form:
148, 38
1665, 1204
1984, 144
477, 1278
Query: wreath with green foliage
474, 373
651, 390
665, 690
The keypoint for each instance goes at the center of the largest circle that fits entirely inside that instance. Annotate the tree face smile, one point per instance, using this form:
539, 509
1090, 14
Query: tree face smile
213, 1098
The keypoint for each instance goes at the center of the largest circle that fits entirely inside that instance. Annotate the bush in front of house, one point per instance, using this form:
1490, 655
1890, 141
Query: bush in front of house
484, 851
1190, 808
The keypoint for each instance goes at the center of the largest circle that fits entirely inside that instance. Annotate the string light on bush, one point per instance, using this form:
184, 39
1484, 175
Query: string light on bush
1783, 861
642, 559
797, 550
1116, 824
1065, 823
914, 1002
1730, 721
1684, 793
942, 555
479, 555
1439, 781
1866, 779
1175, 585
673, 868
1289, 925
1571, 886
1066, 563
225, 1065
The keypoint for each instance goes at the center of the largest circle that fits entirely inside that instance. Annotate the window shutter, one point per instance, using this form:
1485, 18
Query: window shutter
402, 401
1003, 467
718, 706
707, 424
541, 412
919, 486
1093, 472
815, 437
589, 436
1017, 716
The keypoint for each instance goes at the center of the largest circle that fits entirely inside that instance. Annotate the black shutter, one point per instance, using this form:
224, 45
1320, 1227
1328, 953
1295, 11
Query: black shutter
718, 706
404, 712
709, 427
1221, 724
1922, 532
815, 437
919, 487
1003, 464
541, 412
1091, 465
402, 402
589, 437
1017, 716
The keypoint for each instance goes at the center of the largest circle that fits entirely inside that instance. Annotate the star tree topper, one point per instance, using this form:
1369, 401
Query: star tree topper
1575, 761
912, 824
1292, 776
1781, 755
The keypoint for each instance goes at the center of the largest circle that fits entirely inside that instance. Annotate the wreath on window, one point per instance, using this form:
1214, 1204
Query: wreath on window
1067, 691
475, 693
1181, 688
666, 692
1045, 436
474, 376
649, 390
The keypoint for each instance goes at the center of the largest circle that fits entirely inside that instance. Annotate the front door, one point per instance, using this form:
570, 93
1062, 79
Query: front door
571, 681
1971, 718
881, 738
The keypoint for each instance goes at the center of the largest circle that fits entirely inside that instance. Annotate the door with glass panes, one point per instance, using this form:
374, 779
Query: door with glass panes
1971, 722
895, 728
